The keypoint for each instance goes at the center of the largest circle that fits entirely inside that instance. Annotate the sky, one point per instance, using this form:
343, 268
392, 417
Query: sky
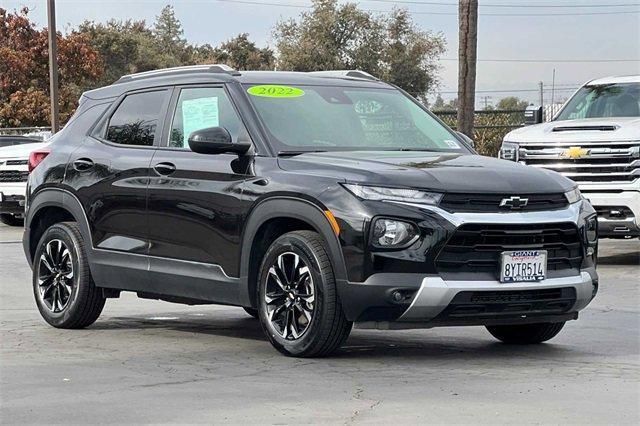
546, 42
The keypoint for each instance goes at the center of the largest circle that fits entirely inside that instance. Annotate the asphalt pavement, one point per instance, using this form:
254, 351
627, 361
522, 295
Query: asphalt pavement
155, 362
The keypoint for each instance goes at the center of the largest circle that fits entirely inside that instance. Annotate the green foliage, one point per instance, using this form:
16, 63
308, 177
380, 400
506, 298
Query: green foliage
512, 102
334, 36
242, 54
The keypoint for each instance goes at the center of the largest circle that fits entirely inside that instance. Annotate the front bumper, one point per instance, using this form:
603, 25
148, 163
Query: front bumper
618, 213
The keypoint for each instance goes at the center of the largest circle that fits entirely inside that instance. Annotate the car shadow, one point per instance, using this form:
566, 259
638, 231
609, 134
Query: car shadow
362, 344
625, 258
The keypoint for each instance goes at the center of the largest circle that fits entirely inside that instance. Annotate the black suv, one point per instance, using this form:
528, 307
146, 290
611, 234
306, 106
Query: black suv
312, 200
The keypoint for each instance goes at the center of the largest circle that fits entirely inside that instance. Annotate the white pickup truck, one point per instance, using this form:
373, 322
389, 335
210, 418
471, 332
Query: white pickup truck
594, 140
14, 171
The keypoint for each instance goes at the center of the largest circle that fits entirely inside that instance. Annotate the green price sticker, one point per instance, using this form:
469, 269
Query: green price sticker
275, 91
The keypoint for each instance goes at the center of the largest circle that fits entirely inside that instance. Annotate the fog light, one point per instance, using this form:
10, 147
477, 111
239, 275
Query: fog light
393, 233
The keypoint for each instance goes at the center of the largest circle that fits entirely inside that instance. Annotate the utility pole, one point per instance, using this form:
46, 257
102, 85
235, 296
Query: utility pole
541, 88
467, 46
53, 65
486, 101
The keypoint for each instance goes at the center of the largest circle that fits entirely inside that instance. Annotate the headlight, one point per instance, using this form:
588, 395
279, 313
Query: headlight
393, 194
509, 151
591, 229
573, 196
391, 233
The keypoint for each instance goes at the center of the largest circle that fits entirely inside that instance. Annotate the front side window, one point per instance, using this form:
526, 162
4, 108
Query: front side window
603, 101
135, 121
333, 118
200, 108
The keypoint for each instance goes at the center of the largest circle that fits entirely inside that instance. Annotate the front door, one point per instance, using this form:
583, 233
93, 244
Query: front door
195, 201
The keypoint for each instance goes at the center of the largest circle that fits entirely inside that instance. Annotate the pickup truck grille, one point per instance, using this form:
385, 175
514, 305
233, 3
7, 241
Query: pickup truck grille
586, 162
13, 176
477, 247
490, 203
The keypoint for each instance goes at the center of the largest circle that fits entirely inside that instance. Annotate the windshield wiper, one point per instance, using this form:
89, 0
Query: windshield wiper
415, 149
293, 153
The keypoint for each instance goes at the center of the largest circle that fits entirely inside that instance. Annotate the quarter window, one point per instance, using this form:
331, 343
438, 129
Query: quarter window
200, 108
136, 120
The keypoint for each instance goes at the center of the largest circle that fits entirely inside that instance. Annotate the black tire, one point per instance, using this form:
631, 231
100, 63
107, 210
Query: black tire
328, 327
11, 220
526, 334
85, 301
252, 312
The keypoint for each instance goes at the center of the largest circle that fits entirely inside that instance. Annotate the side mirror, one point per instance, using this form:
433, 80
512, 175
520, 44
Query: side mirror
215, 140
467, 139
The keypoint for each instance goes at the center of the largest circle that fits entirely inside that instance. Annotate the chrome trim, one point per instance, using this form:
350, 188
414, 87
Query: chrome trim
569, 214
435, 294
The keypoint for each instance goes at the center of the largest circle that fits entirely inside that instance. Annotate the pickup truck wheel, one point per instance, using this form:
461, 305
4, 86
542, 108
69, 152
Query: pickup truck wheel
299, 308
526, 334
11, 220
62, 285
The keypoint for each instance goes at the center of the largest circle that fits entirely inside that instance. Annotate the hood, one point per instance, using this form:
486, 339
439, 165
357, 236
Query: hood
20, 151
583, 130
430, 171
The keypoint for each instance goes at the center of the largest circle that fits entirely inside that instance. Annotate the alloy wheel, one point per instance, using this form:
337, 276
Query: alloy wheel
289, 296
55, 276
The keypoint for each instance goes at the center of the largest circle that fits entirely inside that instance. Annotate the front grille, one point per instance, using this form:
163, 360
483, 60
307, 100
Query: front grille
17, 162
477, 247
491, 202
596, 162
478, 304
13, 176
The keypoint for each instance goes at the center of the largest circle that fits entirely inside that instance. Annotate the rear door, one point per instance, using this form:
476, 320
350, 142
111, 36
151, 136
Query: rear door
195, 200
110, 175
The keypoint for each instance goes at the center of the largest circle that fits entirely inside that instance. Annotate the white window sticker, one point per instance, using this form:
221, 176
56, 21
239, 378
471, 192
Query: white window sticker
452, 144
199, 114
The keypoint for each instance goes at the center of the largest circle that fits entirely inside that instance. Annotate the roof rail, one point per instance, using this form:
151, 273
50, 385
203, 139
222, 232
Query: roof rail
345, 73
214, 68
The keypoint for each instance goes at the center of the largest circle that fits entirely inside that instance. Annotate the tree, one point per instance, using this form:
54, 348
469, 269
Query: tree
440, 105
24, 72
242, 54
168, 33
334, 36
512, 102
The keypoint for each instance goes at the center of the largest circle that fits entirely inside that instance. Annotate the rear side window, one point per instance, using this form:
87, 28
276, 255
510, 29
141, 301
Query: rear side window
135, 121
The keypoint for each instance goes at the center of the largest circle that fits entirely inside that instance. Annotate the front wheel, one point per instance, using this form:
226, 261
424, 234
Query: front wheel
526, 334
299, 308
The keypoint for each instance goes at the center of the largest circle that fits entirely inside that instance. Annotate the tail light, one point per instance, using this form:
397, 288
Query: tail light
36, 158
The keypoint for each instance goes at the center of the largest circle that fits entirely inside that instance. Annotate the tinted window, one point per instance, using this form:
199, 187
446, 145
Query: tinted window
608, 100
136, 119
200, 108
331, 118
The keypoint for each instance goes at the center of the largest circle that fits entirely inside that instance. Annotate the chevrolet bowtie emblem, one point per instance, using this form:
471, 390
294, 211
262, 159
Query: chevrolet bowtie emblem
514, 203
575, 152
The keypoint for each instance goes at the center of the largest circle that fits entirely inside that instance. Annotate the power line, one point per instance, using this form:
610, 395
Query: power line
567, 89
548, 60
413, 12
433, 3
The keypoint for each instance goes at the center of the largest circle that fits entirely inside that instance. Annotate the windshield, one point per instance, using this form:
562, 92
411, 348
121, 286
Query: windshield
330, 118
610, 100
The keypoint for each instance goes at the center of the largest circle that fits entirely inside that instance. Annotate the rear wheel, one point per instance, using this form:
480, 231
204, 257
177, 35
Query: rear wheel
65, 293
11, 220
526, 334
299, 308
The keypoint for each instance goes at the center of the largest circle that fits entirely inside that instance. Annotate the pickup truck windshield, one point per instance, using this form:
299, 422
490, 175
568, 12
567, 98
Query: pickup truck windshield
329, 118
603, 101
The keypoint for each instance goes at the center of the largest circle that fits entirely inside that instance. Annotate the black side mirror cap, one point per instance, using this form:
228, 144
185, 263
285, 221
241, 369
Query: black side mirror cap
216, 140
467, 139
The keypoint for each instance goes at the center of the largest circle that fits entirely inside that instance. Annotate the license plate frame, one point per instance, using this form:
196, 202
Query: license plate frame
536, 269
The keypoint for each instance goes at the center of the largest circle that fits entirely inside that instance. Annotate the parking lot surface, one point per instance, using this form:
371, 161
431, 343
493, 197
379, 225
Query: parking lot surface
149, 361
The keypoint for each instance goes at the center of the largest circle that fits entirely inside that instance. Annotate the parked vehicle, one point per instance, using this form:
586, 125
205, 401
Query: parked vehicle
313, 200
595, 141
14, 170
10, 140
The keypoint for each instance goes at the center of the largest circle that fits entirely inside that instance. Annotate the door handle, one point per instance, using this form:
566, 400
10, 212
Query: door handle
164, 169
83, 164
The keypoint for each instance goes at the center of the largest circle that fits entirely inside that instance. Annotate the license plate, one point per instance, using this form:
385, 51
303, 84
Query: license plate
523, 265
